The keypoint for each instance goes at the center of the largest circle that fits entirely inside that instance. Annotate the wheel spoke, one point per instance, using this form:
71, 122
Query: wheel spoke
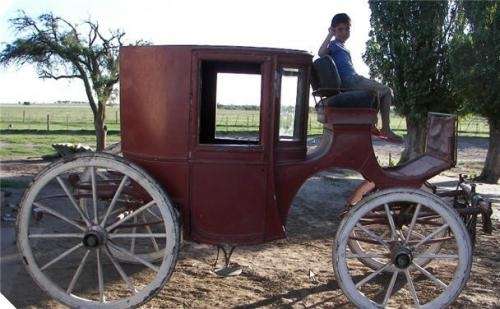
100, 278
61, 256
390, 287
373, 235
414, 235
412, 288
58, 215
72, 235
120, 270
83, 205
372, 275
412, 224
72, 200
137, 258
114, 200
94, 193
365, 240
137, 235
154, 215
132, 243
133, 214
432, 241
153, 240
391, 222
77, 273
365, 255
428, 237
438, 256
430, 276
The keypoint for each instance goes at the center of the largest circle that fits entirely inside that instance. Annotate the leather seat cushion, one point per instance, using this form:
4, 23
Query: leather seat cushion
352, 99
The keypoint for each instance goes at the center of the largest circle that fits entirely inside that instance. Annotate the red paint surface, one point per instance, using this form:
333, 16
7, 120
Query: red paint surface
236, 194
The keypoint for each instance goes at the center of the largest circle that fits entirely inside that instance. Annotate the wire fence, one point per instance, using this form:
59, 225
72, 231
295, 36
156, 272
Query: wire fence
81, 118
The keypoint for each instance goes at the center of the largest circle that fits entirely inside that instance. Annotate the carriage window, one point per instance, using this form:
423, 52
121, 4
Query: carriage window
292, 96
230, 103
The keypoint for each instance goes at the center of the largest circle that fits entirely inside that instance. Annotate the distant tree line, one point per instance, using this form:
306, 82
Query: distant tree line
238, 107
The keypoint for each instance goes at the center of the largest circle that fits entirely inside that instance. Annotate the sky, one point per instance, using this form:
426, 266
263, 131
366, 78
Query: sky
273, 23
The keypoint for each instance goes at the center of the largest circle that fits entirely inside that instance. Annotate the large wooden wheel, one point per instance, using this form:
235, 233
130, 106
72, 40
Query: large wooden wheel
82, 217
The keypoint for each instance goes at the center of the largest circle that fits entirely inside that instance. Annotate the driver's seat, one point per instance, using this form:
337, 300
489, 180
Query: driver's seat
326, 84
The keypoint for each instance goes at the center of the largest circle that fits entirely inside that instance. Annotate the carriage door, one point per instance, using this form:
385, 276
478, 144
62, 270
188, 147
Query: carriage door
230, 142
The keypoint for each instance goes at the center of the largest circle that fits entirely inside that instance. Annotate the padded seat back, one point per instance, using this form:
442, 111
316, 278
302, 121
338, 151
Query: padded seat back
326, 83
325, 74
441, 138
440, 150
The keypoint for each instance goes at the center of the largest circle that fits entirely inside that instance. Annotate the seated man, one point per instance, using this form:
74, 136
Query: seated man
340, 29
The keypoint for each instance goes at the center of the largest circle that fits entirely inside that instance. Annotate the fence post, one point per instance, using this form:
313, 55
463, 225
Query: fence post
116, 117
24, 115
67, 122
48, 122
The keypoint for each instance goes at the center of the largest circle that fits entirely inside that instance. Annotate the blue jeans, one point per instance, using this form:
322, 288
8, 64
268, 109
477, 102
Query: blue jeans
384, 94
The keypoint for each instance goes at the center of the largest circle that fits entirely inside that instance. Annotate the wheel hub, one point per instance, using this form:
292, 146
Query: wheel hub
94, 237
402, 257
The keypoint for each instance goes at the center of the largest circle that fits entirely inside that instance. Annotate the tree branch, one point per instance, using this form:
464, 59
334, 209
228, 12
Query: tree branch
88, 88
73, 28
50, 75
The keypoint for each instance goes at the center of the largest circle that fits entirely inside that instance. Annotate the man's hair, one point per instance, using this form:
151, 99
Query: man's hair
341, 18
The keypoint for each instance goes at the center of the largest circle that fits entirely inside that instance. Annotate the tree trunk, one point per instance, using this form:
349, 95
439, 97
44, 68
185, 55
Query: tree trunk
415, 139
100, 133
491, 169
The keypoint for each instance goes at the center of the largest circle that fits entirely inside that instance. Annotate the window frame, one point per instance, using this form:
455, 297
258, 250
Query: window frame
225, 67
255, 150
303, 114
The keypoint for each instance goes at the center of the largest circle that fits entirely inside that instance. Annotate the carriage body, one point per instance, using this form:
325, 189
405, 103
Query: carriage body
224, 187
235, 190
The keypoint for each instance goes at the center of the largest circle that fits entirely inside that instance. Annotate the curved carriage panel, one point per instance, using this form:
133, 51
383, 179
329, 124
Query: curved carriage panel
154, 98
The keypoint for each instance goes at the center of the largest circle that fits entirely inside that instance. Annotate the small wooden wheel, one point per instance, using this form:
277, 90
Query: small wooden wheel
402, 279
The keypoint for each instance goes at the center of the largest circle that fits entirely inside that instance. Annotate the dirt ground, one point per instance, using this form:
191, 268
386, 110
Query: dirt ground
276, 274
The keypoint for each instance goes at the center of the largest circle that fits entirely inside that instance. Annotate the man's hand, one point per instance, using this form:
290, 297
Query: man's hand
323, 50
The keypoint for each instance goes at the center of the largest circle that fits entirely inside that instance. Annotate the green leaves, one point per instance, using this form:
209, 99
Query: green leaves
475, 58
60, 49
407, 50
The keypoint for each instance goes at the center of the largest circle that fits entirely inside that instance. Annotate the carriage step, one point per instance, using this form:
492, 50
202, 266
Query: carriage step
226, 270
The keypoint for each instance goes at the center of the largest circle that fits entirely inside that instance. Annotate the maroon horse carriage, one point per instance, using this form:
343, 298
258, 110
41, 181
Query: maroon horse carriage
102, 230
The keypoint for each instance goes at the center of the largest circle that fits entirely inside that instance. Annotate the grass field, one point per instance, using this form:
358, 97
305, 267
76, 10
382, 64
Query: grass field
24, 128
37, 145
79, 117
61, 117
